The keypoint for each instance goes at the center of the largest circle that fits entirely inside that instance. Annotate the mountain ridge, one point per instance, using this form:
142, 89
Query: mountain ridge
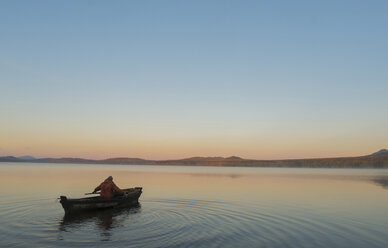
375, 160
381, 152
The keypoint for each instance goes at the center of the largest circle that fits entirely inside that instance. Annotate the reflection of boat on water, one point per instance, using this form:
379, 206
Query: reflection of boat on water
130, 198
105, 220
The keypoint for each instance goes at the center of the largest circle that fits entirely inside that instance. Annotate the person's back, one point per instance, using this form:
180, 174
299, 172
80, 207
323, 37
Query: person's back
108, 188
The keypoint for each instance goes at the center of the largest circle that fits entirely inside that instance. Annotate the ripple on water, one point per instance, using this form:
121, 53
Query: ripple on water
179, 223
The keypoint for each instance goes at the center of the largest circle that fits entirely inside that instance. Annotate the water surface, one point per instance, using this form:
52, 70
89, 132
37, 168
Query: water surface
197, 207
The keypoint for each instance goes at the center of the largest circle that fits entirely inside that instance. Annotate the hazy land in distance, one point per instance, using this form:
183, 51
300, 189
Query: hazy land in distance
375, 160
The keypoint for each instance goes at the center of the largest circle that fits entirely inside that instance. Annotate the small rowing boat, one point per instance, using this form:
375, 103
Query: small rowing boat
130, 198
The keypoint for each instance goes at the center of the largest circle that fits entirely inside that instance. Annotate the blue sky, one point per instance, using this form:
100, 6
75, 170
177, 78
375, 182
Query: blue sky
171, 79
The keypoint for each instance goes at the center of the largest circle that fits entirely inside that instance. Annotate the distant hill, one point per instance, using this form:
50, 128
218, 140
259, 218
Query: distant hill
375, 160
27, 158
10, 159
65, 160
137, 161
381, 152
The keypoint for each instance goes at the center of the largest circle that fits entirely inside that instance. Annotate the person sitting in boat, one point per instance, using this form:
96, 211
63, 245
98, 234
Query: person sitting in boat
108, 188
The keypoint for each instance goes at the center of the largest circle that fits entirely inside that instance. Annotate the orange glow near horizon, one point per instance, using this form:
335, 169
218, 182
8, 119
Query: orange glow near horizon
100, 149
99, 142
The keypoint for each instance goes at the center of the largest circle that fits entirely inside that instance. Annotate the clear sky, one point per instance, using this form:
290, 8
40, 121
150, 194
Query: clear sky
175, 79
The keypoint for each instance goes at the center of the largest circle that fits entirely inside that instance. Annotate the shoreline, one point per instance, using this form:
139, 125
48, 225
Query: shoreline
369, 161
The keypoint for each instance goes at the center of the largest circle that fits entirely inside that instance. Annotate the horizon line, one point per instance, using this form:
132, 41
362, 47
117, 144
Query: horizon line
232, 156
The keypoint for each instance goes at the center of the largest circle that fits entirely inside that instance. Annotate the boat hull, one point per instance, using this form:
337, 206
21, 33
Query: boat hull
130, 198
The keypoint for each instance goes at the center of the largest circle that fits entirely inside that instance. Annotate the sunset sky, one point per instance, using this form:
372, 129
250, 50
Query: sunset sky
175, 79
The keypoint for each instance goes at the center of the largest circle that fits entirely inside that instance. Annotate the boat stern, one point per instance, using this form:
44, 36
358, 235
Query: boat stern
63, 200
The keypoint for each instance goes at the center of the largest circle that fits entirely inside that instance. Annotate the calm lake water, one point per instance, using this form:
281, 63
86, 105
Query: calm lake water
197, 207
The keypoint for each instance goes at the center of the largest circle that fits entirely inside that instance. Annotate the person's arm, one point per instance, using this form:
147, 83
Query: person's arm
117, 189
97, 188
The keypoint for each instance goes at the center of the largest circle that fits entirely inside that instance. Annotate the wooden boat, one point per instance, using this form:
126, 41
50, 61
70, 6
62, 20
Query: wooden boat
130, 198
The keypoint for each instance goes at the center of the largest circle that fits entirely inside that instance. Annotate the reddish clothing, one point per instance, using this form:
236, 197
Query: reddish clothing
108, 188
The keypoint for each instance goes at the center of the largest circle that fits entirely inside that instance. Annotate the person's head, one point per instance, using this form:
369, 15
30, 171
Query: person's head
110, 178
